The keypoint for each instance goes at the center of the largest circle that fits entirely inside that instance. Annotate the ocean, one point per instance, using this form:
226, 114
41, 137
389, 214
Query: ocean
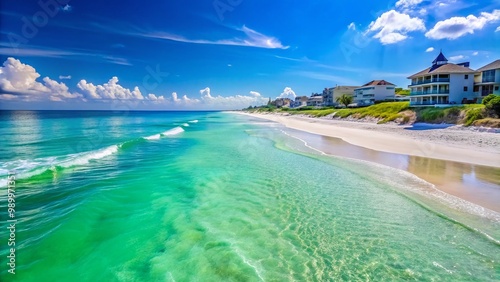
213, 196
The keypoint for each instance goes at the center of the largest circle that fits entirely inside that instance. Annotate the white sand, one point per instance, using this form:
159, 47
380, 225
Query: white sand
453, 143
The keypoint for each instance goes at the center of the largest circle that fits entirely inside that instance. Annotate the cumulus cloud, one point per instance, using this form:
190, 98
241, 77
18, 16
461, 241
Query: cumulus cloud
288, 93
456, 27
205, 93
20, 82
475, 53
153, 97
393, 26
65, 77
21, 79
110, 90
498, 29
351, 26
430, 49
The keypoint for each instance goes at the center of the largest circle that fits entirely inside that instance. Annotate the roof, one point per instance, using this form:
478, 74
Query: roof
491, 66
378, 82
446, 68
440, 58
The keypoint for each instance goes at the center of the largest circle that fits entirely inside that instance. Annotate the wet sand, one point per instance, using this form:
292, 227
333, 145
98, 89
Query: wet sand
467, 178
474, 183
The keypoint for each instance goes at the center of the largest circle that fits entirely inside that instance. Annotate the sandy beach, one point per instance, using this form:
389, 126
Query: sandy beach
463, 162
454, 143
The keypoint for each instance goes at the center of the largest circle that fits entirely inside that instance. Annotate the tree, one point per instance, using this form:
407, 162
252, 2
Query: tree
345, 99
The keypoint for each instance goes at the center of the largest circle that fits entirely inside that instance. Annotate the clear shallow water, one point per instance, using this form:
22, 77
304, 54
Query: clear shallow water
227, 198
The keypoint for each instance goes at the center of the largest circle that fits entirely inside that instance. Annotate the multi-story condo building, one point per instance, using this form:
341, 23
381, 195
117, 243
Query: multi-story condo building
442, 83
375, 90
330, 95
487, 80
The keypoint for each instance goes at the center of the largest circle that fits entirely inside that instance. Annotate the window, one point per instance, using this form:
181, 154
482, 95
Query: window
489, 76
466, 76
496, 88
465, 89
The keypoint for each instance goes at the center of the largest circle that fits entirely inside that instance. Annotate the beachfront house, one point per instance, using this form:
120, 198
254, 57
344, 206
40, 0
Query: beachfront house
330, 95
375, 90
487, 80
442, 83
315, 100
283, 102
300, 101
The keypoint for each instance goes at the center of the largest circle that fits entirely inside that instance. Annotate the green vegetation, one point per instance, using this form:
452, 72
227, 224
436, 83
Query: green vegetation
492, 104
401, 91
345, 99
400, 112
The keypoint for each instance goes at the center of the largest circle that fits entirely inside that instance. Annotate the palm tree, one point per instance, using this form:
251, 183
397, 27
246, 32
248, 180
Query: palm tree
345, 99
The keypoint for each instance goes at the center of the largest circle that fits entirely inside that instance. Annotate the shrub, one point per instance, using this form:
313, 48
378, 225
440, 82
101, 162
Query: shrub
473, 115
493, 104
488, 98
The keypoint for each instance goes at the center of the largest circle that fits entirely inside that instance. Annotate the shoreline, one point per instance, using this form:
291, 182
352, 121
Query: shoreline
467, 177
430, 143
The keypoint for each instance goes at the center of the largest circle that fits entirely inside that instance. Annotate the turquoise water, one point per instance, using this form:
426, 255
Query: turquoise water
207, 196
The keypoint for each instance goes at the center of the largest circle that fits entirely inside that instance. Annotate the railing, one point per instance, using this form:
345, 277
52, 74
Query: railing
430, 81
430, 92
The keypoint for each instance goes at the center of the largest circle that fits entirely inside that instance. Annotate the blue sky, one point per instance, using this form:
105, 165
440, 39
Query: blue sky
224, 54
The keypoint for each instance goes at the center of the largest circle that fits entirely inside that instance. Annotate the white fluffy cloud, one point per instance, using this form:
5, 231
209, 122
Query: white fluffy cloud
430, 49
393, 26
456, 27
19, 82
110, 90
21, 79
498, 29
351, 26
65, 77
288, 93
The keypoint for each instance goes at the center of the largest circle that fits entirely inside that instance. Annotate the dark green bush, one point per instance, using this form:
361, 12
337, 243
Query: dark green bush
493, 104
488, 98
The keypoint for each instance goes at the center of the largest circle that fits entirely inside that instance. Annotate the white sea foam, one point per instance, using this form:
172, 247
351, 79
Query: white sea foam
84, 158
28, 168
193, 121
185, 124
153, 137
173, 131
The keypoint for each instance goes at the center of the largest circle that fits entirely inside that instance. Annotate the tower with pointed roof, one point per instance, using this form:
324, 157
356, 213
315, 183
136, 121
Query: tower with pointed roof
442, 83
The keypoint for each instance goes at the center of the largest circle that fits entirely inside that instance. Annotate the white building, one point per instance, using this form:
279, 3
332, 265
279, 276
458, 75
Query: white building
375, 90
300, 101
487, 80
442, 83
315, 101
330, 95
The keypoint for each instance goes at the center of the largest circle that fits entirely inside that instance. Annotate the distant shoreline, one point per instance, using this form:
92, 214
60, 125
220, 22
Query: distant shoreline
465, 146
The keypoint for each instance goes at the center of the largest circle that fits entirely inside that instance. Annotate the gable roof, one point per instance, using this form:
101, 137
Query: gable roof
491, 66
378, 82
447, 68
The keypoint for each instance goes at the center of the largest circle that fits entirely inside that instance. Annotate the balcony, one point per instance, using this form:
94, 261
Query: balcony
487, 79
429, 92
425, 81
